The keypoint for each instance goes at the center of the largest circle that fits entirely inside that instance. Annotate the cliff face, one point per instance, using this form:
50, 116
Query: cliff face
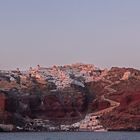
65, 95
127, 115
121, 85
42, 94
52, 106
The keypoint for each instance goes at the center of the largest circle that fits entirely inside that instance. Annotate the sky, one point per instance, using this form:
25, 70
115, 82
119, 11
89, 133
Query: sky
105, 33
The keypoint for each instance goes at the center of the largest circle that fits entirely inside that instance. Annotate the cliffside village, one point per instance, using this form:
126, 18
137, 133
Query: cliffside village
61, 76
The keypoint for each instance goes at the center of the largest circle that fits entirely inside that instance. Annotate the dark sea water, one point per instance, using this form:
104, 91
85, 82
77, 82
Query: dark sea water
71, 136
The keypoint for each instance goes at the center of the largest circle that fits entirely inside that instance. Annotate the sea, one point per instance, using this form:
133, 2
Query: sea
71, 136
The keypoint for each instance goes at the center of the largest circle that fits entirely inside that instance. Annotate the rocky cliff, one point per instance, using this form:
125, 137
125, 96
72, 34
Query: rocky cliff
62, 97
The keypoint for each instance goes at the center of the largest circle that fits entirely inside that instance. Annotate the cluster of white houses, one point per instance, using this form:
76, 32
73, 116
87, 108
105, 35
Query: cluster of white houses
63, 76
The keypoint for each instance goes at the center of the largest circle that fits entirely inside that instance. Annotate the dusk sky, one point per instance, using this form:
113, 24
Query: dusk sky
47, 32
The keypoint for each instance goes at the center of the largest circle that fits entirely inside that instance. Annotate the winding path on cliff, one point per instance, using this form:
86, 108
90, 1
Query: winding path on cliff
113, 104
91, 122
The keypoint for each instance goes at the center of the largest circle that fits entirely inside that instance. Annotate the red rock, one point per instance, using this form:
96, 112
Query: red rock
2, 102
